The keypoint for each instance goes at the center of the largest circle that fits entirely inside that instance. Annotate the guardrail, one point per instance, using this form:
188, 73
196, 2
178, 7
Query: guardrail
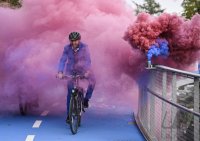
168, 107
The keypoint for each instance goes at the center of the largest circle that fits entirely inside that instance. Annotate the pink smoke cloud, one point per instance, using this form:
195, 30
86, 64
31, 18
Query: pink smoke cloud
32, 39
183, 36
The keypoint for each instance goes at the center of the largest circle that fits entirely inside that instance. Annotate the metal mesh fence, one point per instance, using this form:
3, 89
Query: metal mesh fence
169, 105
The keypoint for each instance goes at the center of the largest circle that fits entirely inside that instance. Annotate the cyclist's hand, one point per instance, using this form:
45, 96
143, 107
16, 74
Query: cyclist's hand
87, 74
59, 75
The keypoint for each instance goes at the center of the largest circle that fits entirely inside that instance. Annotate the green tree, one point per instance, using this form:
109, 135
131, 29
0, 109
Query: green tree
149, 6
13, 3
190, 7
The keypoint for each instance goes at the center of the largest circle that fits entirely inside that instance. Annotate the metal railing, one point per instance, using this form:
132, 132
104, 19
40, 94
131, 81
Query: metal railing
168, 107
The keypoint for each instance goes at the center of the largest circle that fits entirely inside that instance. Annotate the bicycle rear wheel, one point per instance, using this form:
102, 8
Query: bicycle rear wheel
73, 115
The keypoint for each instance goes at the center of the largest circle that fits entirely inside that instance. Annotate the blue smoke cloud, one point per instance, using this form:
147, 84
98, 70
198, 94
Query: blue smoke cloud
160, 48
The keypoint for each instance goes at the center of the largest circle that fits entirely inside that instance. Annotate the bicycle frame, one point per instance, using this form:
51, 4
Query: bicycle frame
76, 99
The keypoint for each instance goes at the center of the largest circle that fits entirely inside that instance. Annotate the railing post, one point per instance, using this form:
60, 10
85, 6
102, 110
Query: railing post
139, 100
164, 93
152, 106
143, 107
196, 109
152, 115
140, 103
174, 110
145, 110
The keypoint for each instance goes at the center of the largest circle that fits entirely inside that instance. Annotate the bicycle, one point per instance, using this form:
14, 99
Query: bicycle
76, 103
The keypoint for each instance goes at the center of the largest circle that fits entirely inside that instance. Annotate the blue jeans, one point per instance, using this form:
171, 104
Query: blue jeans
92, 81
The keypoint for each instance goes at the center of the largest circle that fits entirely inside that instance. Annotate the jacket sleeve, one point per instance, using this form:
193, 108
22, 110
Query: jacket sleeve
88, 59
63, 60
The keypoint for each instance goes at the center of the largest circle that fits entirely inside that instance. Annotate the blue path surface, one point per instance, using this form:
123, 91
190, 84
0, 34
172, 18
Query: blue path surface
98, 124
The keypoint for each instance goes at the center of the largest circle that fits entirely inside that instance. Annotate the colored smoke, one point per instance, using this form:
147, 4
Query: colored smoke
161, 48
32, 39
183, 36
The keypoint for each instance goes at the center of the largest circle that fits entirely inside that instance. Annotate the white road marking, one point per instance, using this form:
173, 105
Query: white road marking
30, 138
37, 124
45, 113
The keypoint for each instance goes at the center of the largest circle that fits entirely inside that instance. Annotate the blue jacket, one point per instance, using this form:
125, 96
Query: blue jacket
78, 62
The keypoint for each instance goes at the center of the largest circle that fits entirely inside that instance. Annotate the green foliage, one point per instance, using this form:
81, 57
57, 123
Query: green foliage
149, 6
13, 3
191, 7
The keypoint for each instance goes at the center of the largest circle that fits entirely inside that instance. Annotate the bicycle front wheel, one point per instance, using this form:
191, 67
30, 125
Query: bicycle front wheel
80, 107
73, 115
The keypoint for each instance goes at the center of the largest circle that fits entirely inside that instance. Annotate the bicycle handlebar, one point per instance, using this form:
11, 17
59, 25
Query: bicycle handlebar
74, 76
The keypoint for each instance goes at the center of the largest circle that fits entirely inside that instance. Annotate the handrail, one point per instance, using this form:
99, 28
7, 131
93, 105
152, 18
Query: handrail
177, 71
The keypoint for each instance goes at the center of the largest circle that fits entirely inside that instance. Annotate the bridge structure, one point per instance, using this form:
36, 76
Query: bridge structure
169, 105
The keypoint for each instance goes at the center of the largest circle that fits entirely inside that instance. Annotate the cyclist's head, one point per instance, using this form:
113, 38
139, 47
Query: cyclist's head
74, 38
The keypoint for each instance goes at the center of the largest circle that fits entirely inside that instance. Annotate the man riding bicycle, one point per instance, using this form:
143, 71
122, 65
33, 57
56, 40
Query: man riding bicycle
76, 56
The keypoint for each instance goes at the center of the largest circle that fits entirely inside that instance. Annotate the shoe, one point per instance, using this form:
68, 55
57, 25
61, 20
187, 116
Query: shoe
67, 120
86, 103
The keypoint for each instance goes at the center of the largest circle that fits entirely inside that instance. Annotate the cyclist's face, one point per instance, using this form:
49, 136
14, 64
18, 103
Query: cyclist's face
75, 43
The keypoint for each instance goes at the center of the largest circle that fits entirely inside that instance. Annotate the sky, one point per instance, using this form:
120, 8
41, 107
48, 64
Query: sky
171, 6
